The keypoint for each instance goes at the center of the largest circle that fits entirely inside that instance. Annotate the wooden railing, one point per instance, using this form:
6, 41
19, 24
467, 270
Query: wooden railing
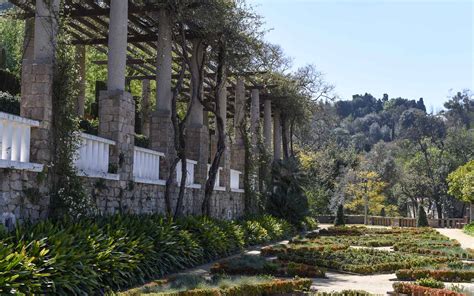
15, 134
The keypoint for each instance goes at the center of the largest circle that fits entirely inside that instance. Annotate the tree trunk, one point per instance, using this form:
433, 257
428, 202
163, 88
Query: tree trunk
179, 143
221, 78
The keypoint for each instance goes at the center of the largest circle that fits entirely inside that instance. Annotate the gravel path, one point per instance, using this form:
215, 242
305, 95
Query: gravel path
378, 284
465, 240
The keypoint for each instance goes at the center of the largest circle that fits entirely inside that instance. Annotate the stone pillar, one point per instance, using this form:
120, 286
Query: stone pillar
117, 56
81, 97
37, 78
116, 106
255, 116
277, 143
197, 134
146, 107
161, 130
238, 148
267, 125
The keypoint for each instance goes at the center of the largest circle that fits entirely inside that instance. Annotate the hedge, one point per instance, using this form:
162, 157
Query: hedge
441, 275
411, 289
272, 287
96, 255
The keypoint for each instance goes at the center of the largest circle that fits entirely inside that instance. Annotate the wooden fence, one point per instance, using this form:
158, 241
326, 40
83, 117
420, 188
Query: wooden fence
397, 221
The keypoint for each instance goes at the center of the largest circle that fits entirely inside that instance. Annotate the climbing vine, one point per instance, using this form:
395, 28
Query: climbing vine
67, 191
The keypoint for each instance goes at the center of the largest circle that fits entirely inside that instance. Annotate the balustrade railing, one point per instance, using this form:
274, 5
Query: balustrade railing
190, 169
92, 157
15, 132
146, 166
235, 181
217, 184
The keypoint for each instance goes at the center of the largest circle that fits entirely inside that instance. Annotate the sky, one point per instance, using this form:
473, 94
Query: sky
408, 49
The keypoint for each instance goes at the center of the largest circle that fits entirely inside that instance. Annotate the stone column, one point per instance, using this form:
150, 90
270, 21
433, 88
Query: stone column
267, 125
255, 116
81, 97
197, 134
37, 78
117, 56
146, 107
277, 143
116, 106
238, 148
161, 132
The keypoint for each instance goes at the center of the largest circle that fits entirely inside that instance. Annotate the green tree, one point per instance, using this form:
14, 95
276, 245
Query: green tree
461, 184
339, 221
422, 220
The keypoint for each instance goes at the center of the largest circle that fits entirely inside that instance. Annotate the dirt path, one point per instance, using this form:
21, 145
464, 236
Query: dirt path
465, 240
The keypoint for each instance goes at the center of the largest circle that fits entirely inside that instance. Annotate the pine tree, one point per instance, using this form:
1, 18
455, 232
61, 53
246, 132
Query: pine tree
422, 220
339, 221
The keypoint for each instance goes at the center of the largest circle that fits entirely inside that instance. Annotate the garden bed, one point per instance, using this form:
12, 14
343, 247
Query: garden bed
97, 255
191, 285
358, 249
256, 265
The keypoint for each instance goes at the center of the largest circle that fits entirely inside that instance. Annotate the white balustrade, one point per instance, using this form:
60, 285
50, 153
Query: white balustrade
146, 166
15, 132
92, 157
235, 181
217, 183
190, 168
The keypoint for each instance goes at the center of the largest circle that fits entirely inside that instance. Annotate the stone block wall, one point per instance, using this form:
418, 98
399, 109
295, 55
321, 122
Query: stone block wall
24, 197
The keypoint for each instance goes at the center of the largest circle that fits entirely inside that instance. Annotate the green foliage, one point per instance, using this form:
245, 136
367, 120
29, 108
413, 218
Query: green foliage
421, 219
461, 182
9, 104
142, 141
469, 229
12, 32
430, 283
339, 221
89, 126
68, 196
9, 82
185, 285
287, 199
89, 255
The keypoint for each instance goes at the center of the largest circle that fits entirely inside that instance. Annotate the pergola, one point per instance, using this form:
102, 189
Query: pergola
88, 23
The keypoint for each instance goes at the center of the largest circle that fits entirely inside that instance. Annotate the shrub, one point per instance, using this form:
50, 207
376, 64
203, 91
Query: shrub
237, 286
310, 223
411, 289
469, 229
339, 221
430, 283
89, 126
96, 255
255, 233
256, 265
288, 200
422, 220
9, 104
142, 141
440, 275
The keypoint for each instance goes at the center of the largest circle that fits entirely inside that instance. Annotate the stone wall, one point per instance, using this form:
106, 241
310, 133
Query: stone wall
24, 197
